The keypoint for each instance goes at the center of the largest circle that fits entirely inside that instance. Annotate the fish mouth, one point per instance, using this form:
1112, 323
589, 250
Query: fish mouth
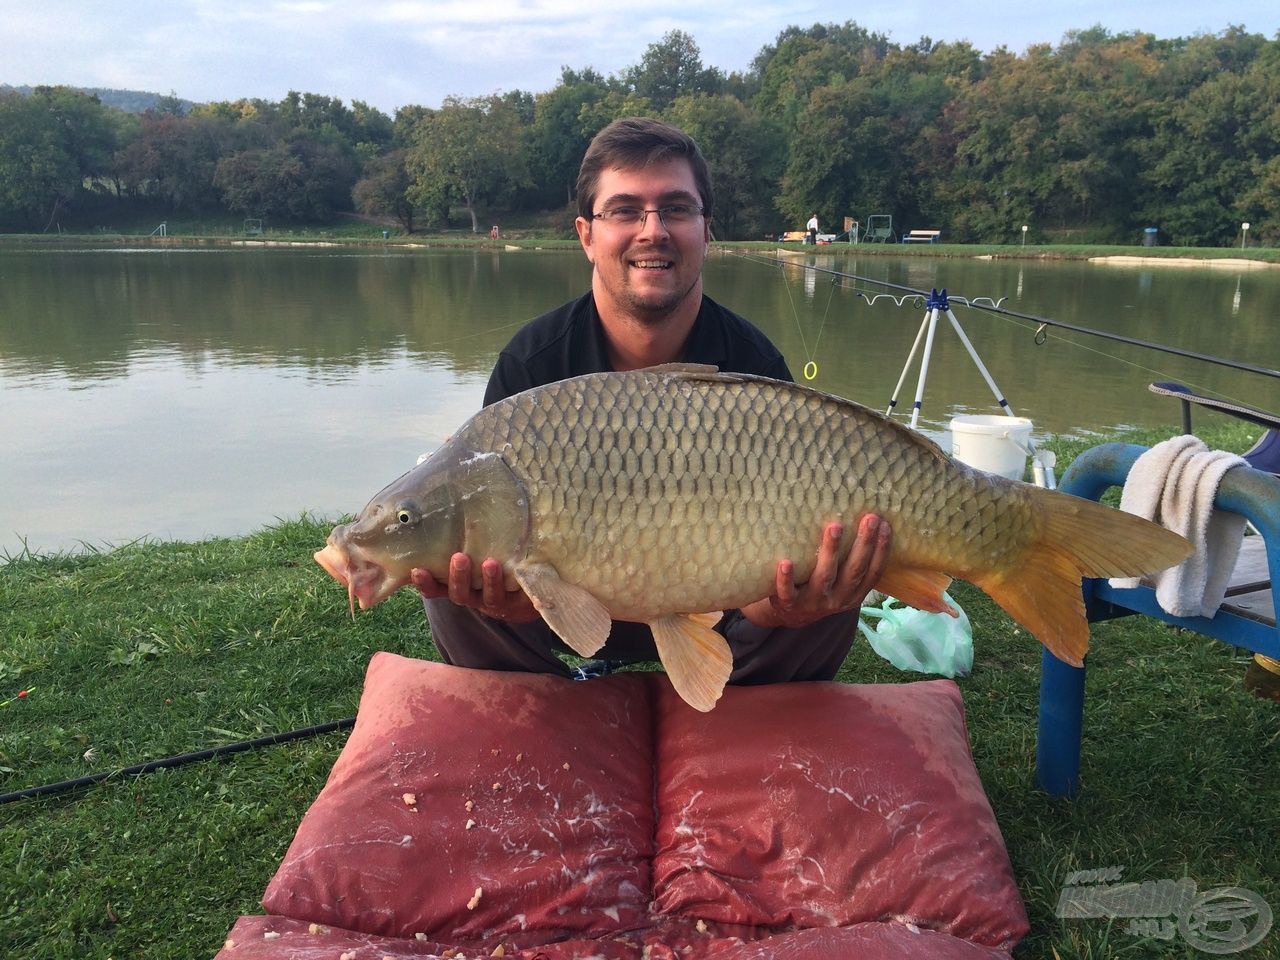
367, 581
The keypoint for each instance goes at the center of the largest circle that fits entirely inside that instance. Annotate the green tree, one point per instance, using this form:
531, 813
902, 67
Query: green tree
559, 138
745, 153
671, 68
800, 61
52, 143
470, 150
1208, 163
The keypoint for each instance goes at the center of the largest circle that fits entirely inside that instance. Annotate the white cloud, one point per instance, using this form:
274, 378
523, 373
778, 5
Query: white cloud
418, 51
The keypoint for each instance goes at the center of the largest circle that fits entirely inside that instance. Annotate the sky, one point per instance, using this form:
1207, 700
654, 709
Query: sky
390, 53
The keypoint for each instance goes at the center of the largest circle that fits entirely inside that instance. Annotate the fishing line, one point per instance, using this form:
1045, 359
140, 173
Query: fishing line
811, 367
1042, 335
976, 303
795, 315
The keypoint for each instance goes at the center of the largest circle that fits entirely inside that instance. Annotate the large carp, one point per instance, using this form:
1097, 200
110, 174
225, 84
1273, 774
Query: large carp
667, 494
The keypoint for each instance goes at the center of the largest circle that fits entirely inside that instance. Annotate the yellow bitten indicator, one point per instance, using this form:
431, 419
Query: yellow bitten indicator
810, 370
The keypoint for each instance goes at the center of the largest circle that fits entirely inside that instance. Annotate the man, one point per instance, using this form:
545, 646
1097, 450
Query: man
812, 227
645, 199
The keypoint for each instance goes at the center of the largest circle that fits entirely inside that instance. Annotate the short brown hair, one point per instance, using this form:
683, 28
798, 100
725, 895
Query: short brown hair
630, 143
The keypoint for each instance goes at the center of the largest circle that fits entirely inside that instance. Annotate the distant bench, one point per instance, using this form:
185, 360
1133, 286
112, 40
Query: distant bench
922, 236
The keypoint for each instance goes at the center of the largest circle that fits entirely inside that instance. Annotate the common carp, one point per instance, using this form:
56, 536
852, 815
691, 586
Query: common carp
668, 494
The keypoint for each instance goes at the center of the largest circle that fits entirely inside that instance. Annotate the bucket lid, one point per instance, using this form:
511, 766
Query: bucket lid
987, 423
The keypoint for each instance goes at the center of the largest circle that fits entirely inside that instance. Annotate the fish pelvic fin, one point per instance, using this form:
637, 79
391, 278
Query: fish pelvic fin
697, 659
917, 587
1078, 538
577, 618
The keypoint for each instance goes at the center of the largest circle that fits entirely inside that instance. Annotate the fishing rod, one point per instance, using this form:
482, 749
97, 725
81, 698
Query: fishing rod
181, 760
1043, 322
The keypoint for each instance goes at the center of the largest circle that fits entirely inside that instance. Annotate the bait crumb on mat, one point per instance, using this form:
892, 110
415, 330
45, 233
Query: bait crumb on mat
316, 928
475, 900
470, 824
469, 805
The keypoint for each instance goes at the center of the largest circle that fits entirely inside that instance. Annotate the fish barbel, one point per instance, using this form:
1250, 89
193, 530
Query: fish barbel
669, 494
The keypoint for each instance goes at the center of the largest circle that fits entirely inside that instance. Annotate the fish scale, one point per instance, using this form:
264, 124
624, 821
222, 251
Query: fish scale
659, 495
757, 472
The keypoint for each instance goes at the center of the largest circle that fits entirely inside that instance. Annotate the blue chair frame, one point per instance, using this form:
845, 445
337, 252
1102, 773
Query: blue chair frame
1252, 493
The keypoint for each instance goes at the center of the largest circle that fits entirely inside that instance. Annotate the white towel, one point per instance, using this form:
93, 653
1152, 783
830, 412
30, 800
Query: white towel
1174, 484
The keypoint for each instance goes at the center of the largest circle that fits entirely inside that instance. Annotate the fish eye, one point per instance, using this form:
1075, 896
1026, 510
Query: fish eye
405, 515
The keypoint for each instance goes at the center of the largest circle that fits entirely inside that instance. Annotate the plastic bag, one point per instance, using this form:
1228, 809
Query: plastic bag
912, 639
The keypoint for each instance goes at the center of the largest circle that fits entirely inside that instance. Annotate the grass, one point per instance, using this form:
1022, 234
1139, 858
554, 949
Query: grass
155, 649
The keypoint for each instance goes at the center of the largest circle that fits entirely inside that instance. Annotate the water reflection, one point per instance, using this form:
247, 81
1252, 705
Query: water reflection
184, 393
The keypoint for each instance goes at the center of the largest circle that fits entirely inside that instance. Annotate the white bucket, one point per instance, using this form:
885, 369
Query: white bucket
996, 444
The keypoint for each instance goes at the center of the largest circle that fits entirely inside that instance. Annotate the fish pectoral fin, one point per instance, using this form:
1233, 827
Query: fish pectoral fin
917, 587
697, 659
578, 618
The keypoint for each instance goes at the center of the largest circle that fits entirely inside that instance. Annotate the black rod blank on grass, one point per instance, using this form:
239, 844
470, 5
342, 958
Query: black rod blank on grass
178, 761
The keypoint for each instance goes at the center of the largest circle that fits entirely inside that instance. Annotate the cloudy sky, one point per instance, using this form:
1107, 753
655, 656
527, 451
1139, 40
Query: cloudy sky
419, 51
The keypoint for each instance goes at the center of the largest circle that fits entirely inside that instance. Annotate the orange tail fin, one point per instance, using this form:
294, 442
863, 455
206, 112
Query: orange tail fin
1078, 538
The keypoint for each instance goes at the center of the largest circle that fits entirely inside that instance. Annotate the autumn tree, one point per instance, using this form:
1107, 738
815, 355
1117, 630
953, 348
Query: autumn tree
384, 190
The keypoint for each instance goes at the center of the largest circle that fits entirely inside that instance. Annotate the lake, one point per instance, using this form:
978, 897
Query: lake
180, 393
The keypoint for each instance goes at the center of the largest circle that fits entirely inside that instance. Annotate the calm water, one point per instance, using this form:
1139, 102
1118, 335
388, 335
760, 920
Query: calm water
178, 394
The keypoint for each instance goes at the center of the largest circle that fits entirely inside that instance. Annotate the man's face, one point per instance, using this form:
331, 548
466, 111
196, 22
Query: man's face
648, 270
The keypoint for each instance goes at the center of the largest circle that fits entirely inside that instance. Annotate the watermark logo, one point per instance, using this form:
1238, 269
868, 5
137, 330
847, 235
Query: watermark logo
1219, 921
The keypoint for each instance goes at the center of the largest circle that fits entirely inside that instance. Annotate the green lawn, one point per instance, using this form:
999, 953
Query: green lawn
155, 649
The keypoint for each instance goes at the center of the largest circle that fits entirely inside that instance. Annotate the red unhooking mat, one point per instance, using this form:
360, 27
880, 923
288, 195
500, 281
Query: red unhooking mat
472, 812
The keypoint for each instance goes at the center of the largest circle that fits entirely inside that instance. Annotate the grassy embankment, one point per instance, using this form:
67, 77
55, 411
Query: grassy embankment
154, 649
535, 232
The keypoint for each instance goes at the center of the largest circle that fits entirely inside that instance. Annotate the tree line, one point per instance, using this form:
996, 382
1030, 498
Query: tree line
1089, 140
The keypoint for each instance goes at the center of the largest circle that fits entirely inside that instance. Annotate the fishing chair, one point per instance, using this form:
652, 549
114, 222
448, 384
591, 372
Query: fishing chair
1247, 617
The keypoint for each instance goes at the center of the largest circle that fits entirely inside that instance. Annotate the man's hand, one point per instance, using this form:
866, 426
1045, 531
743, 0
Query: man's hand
493, 599
833, 587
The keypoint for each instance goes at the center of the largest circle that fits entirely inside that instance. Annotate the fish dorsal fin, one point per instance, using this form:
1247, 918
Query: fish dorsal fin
578, 618
697, 659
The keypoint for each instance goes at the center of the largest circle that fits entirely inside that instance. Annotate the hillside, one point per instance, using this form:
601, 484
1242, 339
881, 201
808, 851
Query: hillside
130, 101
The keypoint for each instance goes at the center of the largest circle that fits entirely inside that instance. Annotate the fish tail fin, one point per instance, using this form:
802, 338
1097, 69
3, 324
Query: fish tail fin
1078, 538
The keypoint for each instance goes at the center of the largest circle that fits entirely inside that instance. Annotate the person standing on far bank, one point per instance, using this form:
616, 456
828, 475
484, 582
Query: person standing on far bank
812, 227
645, 207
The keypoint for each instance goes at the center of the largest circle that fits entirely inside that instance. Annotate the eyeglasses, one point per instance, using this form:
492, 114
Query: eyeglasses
671, 215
